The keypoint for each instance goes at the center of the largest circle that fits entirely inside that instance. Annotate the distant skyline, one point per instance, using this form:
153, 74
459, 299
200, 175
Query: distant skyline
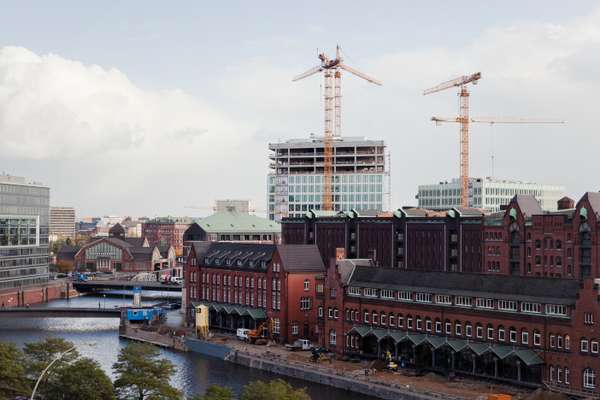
143, 108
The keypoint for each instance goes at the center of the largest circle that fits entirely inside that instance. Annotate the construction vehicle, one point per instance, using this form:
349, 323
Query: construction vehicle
331, 69
319, 354
390, 364
258, 335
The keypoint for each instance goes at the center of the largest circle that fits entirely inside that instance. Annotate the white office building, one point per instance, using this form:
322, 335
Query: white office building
295, 179
487, 193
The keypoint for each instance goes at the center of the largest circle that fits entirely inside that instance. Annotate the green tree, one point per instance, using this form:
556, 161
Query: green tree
38, 355
13, 379
83, 379
274, 390
142, 375
215, 392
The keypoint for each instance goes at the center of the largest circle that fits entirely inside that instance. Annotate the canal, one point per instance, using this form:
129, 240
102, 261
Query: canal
194, 372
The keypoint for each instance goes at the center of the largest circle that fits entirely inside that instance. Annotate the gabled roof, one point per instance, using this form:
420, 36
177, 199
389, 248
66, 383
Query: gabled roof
560, 291
528, 204
594, 200
301, 258
237, 222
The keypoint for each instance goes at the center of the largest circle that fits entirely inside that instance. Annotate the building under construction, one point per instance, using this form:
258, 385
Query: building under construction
295, 180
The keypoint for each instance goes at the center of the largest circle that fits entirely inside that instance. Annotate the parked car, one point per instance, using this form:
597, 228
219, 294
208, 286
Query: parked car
177, 280
299, 344
242, 334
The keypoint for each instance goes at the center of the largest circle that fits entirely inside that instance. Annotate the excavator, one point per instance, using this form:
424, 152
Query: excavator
258, 336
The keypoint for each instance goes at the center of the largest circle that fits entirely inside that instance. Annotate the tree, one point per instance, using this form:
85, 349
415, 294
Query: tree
215, 392
13, 379
69, 378
83, 379
274, 390
142, 375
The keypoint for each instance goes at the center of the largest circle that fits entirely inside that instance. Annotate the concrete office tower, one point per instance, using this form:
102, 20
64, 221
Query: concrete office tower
62, 223
487, 194
24, 212
295, 179
241, 206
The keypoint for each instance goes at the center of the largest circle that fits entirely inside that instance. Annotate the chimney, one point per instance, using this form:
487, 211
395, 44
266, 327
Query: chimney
565, 203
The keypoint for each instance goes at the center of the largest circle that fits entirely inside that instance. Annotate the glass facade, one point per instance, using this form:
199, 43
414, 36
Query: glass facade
24, 211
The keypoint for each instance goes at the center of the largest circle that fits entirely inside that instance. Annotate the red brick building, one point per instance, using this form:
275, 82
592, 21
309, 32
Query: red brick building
165, 232
245, 285
529, 331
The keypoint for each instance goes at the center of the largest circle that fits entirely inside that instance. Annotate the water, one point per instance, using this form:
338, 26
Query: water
98, 338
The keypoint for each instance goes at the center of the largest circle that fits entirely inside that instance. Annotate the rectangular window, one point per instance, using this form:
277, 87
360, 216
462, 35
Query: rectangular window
490, 333
463, 301
405, 296
419, 324
354, 291
458, 329
387, 294
409, 323
438, 327
442, 299
448, 328
537, 339
479, 332
556, 309
469, 330
370, 292
423, 297
366, 317
525, 337
507, 305
484, 303
594, 347
584, 346
534, 308
588, 318
320, 310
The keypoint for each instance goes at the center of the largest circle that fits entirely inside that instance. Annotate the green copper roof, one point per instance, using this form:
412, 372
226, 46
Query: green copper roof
236, 222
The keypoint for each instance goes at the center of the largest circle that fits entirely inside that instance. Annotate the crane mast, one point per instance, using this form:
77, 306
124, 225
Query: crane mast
332, 76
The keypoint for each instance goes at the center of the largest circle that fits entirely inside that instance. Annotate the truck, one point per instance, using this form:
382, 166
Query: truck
299, 344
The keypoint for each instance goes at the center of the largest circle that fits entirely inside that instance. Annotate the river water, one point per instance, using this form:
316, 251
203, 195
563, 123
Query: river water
98, 338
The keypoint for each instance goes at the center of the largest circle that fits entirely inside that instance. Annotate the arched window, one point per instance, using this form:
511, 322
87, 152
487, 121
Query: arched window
348, 316
490, 332
468, 329
524, 336
448, 327
391, 319
383, 318
512, 335
501, 335
438, 326
567, 342
428, 324
366, 317
537, 338
479, 331
457, 328
375, 320
589, 378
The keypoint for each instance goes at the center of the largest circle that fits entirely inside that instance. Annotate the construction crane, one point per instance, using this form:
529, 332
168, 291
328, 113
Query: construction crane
463, 119
331, 69
482, 120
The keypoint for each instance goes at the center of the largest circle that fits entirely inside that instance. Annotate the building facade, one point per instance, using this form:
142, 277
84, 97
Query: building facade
295, 180
234, 226
486, 193
408, 238
528, 331
241, 206
165, 232
24, 225
249, 285
62, 223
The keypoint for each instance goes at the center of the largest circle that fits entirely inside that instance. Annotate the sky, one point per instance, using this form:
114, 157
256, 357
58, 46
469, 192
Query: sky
147, 107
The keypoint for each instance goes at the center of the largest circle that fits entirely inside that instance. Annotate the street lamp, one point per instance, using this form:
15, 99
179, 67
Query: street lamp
58, 357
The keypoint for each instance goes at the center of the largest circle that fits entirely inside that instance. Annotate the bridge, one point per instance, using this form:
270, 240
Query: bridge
98, 285
59, 312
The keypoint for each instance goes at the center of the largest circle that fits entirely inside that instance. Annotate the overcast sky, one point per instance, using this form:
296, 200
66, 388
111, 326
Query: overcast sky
143, 108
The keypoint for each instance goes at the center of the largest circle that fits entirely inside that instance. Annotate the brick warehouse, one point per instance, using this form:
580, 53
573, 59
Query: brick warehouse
245, 285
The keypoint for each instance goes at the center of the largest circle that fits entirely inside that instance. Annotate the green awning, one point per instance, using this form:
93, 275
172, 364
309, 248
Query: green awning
457, 344
479, 348
502, 351
416, 338
435, 341
529, 357
397, 336
255, 313
361, 330
378, 333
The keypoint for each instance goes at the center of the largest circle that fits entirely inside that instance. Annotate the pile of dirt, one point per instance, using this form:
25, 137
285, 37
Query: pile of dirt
541, 394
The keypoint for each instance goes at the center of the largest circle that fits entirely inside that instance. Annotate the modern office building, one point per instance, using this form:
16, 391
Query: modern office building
487, 194
24, 220
295, 179
62, 223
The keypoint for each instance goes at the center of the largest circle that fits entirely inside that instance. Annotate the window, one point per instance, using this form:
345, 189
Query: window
409, 324
332, 293
306, 285
589, 378
551, 374
559, 374
594, 347
556, 309
567, 376
354, 291
484, 303
366, 317
330, 312
405, 296
458, 328
332, 337
490, 333
295, 329
391, 319
525, 337
537, 338
419, 327
370, 292
319, 287
559, 341
382, 319
448, 328
423, 297
438, 326
535, 308
552, 341
441, 299
501, 334
387, 294
588, 319
567, 342
276, 326
320, 311
400, 321
463, 301
507, 305
512, 336
584, 346
374, 318
305, 303
479, 332
428, 325
335, 313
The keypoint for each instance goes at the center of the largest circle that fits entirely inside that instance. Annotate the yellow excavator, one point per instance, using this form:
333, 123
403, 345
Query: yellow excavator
257, 336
